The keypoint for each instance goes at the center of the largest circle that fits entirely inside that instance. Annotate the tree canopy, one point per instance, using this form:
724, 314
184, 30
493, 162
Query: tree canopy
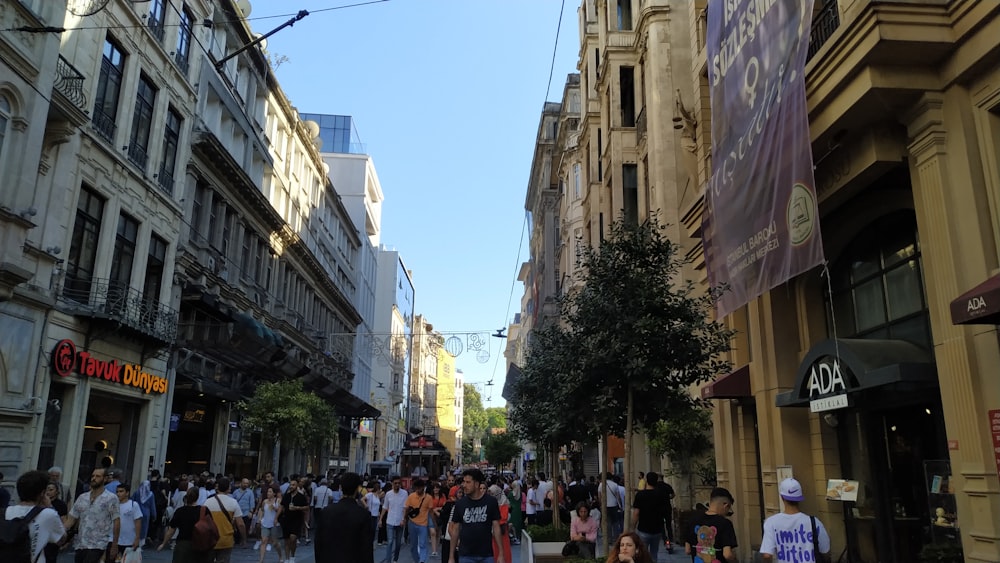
501, 448
286, 412
474, 418
496, 417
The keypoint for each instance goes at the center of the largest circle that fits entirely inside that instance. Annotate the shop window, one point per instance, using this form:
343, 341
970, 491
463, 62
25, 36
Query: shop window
82, 259
878, 285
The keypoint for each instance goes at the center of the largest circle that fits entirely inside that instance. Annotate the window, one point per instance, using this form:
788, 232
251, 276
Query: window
228, 229
142, 118
577, 187
248, 237
630, 189
154, 269
124, 257
80, 264
626, 81
878, 287
600, 159
171, 139
6, 112
183, 53
109, 86
624, 15
157, 13
198, 208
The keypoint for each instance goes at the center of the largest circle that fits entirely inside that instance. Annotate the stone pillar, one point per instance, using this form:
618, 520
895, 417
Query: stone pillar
946, 188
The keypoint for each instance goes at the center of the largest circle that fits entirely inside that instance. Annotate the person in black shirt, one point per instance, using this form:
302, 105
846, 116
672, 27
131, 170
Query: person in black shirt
476, 521
578, 492
647, 513
712, 533
666, 493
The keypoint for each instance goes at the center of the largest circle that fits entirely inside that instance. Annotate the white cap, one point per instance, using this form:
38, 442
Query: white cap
790, 489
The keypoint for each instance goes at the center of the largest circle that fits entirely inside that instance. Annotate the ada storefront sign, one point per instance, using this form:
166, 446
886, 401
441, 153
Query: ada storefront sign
827, 387
66, 359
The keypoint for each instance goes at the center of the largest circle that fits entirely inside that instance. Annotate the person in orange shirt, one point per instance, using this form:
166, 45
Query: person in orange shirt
418, 508
496, 492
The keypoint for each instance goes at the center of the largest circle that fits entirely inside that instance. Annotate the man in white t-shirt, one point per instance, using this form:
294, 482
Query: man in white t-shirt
228, 519
321, 497
792, 535
394, 509
45, 527
131, 520
531, 503
542, 492
613, 503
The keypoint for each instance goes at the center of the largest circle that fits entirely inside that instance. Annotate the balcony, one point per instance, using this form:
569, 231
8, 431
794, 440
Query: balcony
166, 180
823, 26
640, 125
69, 83
137, 155
183, 62
105, 126
123, 307
155, 27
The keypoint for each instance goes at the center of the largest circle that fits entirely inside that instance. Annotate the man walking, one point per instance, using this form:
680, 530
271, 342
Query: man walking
130, 515
723, 545
228, 519
245, 497
418, 509
613, 501
393, 514
44, 525
476, 523
320, 499
99, 517
647, 513
791, 533
344, 532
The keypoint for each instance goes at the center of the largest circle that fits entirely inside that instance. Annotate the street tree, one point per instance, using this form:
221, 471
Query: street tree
642, 334
501, 448
684, 437
474, 419
496, 417
287, 415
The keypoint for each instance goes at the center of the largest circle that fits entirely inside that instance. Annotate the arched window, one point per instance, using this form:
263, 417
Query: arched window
5, 115
877, 284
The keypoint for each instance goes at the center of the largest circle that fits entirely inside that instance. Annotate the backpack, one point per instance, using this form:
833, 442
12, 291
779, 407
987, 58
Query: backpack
205, 534
15, 537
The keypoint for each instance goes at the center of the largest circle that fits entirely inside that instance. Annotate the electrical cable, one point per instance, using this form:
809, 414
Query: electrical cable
555, 47
52, 29
510, 298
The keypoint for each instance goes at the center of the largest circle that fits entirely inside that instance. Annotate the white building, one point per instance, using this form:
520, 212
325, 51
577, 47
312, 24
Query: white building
392, 348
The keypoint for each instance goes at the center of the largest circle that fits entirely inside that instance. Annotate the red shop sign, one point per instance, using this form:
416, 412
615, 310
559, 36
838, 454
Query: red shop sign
66, 359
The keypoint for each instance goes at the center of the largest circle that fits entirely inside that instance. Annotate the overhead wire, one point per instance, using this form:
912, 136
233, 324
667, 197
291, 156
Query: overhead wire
53, 29
555, 47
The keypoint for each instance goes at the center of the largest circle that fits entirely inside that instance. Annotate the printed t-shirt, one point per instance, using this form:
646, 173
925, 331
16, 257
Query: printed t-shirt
45, 528
424, 503
651, 509
129, 512
710, 541
788, 536
475, 518
227, 535
96, 519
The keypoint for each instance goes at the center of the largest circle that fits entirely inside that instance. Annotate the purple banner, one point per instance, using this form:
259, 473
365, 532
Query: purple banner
761, 225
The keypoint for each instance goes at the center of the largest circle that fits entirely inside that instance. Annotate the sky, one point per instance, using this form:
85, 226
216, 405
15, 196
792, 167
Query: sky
447, 96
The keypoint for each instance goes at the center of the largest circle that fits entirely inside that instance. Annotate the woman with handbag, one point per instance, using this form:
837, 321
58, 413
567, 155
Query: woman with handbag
182, 523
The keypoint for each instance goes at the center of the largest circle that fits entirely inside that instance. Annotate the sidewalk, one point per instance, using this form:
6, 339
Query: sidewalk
304, 554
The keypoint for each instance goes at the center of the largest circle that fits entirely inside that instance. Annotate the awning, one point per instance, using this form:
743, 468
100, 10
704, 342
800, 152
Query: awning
734, 385
347, 404
979, 305
851, 366
513, 375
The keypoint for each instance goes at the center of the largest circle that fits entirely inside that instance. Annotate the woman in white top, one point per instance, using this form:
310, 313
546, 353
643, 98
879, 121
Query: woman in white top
373, 501
45, 526
269, 533
532, 504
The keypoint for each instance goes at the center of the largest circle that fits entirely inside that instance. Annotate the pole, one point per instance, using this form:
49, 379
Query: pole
628, 460
302, 13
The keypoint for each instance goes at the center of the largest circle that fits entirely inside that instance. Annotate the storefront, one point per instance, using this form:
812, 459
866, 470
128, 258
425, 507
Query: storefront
106, 406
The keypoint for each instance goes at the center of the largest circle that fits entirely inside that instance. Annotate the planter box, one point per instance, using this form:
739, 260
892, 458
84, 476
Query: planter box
540, 552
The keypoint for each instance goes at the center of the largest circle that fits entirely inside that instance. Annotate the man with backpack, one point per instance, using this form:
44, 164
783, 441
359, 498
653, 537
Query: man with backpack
27, 527
228, 518
99, 518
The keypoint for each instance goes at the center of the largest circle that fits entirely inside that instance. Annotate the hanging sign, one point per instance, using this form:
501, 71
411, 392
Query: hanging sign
761, 221
66, 359
827, 386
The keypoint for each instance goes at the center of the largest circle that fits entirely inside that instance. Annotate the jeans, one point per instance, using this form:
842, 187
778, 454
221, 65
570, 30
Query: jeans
652, 542
472, 559
418, 542
616, 521
395, 543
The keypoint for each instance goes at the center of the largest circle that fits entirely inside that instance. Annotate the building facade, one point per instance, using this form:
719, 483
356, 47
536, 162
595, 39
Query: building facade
392, 345
900, 332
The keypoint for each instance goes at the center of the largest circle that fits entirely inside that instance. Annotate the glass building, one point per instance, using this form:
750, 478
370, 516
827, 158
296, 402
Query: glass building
337, 132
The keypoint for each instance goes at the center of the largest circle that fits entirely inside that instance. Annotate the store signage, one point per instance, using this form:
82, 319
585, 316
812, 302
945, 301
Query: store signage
66, 359
995, 431
827, 387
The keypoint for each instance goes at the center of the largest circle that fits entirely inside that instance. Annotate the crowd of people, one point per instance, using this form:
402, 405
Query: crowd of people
467, 518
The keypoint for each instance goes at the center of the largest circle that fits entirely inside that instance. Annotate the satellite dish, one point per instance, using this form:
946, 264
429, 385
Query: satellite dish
313, 128
263, 43
244, 7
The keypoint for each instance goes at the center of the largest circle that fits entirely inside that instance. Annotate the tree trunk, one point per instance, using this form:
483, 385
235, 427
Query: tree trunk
276, 457
554, 479
628, 461
602, 465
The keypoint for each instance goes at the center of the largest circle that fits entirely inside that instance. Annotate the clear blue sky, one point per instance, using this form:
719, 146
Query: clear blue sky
446, 94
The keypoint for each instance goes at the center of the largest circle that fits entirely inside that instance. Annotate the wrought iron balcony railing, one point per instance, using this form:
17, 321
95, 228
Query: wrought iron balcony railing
155, 27
182, 61
823, 26
115, 301
105, 126
166, 180
640, 124
69, 83
137, 154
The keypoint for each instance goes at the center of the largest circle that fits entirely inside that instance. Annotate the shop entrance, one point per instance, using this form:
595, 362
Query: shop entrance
192, 427
895, 453
110, 434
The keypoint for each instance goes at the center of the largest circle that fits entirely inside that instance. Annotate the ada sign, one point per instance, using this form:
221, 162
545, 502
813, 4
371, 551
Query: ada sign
827, 388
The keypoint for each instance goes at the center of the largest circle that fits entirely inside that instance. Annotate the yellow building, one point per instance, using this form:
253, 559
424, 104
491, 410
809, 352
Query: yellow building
904, 119
449, 417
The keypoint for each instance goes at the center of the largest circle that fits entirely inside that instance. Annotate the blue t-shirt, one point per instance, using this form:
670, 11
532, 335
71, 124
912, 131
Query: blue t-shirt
476, 519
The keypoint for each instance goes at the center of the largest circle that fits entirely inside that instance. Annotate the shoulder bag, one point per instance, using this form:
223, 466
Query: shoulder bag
205, 534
